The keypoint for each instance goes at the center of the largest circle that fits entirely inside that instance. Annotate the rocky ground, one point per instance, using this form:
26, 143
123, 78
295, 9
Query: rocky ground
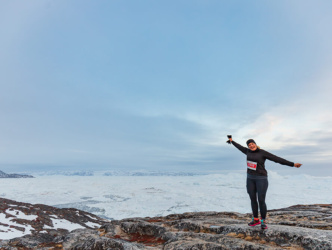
296, 227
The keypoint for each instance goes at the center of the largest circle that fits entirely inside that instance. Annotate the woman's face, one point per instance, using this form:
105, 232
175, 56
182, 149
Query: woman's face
252, 146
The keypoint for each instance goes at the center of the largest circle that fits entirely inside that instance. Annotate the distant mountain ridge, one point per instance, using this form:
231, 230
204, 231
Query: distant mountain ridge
4, 175
118, 173
149, 173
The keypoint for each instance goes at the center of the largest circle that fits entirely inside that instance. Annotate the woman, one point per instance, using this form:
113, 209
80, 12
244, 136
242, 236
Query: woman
257, 182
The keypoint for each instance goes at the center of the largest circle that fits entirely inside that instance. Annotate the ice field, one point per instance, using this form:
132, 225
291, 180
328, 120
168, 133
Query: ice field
117, 197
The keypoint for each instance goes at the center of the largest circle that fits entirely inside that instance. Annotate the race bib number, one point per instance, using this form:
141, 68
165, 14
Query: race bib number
252, 165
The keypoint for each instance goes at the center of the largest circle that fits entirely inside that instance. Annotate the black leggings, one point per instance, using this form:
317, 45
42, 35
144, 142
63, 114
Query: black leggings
257, 185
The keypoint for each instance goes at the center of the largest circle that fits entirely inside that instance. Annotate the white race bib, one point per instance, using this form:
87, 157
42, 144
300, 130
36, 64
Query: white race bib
252, 165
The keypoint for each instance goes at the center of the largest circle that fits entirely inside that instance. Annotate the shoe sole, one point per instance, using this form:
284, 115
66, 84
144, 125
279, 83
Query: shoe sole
254, 224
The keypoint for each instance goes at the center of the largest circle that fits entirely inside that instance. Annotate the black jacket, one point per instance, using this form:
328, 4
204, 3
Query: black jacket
256, 159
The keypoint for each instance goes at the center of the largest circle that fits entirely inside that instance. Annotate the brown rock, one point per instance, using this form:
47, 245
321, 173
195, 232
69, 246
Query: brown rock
248, 238
240, 235
231, 234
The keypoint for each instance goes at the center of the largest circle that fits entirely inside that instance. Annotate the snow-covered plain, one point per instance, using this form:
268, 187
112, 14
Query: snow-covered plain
117, 197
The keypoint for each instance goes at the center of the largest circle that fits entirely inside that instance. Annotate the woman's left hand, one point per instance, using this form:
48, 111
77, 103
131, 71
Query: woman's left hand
297, 165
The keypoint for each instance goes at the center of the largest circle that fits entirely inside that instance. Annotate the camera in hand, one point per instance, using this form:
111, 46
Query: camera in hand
229, 137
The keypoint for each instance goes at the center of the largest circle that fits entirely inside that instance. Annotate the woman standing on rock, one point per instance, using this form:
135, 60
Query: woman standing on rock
257, 182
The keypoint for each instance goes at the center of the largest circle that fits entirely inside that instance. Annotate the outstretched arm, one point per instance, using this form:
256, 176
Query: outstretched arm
238, 146
280, 160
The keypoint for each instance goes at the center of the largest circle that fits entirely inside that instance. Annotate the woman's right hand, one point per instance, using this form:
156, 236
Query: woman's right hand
230, 139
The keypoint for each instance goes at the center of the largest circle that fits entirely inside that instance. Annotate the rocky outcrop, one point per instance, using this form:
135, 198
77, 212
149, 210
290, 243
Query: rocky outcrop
296, 227
40, 225
4, 175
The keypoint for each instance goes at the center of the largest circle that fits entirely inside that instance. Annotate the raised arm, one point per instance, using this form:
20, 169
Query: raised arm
239, 147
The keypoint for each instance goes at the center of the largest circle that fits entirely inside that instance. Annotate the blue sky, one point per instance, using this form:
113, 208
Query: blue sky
158, 85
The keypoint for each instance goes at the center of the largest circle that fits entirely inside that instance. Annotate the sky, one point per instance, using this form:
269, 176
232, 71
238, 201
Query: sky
158, 85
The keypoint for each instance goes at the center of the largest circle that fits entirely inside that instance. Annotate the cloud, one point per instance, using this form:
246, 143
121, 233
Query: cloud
112, 91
